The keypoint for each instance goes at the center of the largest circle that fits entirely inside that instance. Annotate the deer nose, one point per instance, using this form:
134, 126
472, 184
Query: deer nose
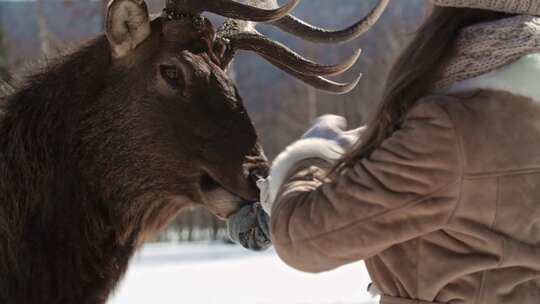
259, 172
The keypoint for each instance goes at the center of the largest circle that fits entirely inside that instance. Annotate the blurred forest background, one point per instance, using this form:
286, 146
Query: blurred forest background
280, 106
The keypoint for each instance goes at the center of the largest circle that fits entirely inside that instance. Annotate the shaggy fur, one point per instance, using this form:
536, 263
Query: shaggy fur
97, 155
519, 78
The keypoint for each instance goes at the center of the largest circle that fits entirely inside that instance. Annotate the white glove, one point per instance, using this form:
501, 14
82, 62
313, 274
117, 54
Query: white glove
326, 139
333, 128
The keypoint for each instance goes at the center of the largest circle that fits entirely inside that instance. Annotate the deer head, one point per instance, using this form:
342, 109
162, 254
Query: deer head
185, 134
175, 66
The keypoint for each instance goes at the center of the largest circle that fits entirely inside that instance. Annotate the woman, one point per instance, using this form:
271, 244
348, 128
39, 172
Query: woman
441, 194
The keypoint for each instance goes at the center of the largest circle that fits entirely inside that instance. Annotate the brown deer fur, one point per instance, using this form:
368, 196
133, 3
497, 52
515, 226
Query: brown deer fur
97, 154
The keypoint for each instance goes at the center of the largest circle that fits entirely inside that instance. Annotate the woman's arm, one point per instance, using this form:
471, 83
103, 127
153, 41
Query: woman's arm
408, 187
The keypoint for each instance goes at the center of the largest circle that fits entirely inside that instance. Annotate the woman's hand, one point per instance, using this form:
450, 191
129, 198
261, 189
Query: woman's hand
249, 228
327, 139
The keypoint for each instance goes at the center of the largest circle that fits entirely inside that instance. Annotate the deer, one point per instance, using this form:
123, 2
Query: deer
103, 146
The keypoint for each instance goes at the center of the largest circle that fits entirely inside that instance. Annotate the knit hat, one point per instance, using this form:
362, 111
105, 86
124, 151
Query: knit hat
527, 7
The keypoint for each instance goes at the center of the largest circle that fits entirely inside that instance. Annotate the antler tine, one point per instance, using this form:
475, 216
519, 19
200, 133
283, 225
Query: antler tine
297, 27
319, 82
232, 9
268, 48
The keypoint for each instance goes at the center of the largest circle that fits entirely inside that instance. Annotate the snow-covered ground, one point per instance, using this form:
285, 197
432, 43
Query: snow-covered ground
227, 274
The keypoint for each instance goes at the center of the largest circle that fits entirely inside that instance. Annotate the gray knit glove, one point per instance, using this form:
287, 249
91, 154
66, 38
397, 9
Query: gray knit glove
249, 228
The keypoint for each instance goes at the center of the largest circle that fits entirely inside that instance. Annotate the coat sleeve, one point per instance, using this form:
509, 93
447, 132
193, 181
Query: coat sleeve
407, 188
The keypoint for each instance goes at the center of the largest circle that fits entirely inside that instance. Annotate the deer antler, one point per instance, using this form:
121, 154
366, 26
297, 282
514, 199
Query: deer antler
239, 33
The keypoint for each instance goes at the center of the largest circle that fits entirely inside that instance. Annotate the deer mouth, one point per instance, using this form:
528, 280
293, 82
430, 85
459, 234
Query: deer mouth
218, 199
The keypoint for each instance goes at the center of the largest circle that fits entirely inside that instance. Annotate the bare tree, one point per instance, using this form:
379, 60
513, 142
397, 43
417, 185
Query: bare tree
49, 45
4, 74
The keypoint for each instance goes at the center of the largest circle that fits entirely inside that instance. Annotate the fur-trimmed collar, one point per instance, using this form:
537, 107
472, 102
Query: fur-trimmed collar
521, 77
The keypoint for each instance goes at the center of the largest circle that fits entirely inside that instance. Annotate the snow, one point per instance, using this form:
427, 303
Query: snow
228, 274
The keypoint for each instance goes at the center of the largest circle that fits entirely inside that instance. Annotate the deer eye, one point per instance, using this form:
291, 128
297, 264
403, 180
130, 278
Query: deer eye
171, 74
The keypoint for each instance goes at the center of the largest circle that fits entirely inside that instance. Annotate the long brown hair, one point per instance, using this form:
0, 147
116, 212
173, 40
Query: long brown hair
414, 73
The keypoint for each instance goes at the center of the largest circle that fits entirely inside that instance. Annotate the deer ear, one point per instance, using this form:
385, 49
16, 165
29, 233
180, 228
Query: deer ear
127, 25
